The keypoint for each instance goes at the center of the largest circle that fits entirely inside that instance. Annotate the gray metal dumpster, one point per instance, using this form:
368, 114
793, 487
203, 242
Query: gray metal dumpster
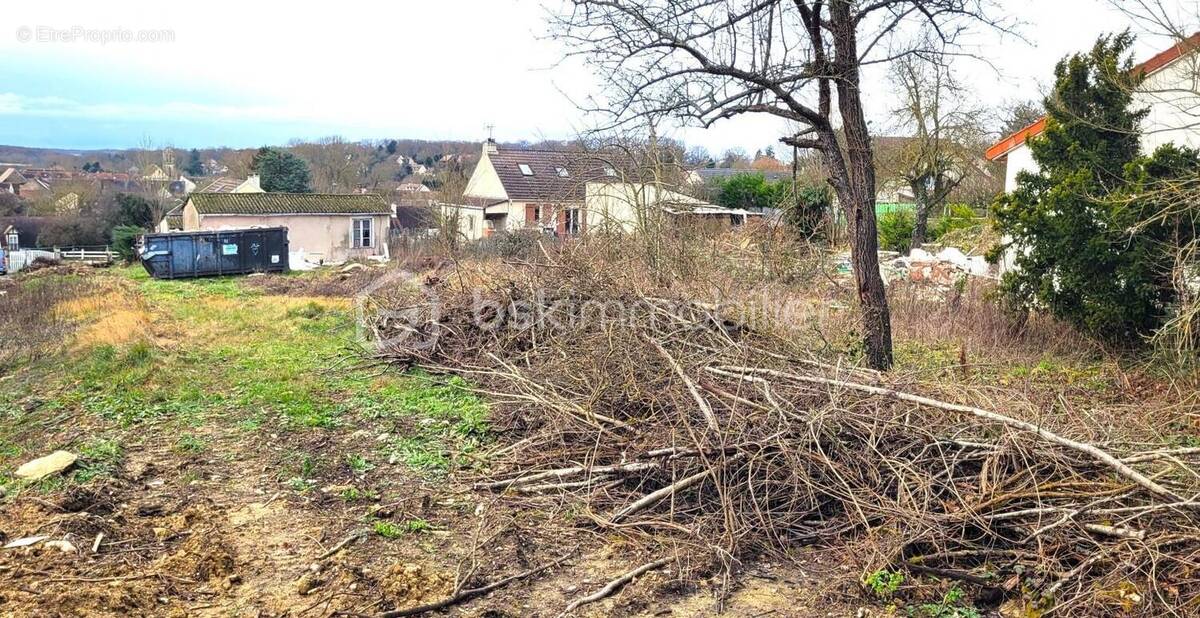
207, 253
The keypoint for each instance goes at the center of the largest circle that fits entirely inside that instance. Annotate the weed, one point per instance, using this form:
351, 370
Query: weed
390, 530
51, 484
8, 449
98, 458
416, 526
951, 606
450, 419
359, 464
300, 485
307, 311
302, 467
139, 354
190, 444
419, 453
884, 583
250, 423
30, 318
353, 494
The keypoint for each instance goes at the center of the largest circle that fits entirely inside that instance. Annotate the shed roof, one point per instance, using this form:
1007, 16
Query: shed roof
288, 204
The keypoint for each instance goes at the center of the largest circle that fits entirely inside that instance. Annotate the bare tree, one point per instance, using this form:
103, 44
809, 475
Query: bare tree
240, 163
708, 60
937, 153
151, 179
334, 162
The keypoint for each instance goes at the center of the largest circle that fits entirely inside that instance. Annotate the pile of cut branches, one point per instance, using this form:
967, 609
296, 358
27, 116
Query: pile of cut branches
665, 420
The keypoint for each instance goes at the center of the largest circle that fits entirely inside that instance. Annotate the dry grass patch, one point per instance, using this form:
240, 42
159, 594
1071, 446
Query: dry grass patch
115, 316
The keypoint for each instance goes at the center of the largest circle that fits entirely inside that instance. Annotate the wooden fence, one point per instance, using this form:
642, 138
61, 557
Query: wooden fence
87, 255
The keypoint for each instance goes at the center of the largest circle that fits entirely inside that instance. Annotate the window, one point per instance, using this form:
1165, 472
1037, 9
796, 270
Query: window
360, 231
608, 171
525, 169
572, 223
562, 172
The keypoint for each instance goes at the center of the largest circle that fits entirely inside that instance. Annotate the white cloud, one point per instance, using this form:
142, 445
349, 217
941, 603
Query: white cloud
444, 68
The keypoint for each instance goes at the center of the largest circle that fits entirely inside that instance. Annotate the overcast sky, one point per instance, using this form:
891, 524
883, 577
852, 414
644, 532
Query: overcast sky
225, 73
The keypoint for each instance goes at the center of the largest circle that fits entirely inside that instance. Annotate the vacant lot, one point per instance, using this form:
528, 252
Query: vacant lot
226, 438
231, 435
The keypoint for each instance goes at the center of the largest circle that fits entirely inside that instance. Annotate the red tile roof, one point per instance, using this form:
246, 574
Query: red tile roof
1153, 65
1005, 145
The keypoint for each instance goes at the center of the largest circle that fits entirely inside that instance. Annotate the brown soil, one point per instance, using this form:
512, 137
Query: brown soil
220, 536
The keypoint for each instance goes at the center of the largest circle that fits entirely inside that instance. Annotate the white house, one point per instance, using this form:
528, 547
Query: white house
567, 192
1170, 91
470, 218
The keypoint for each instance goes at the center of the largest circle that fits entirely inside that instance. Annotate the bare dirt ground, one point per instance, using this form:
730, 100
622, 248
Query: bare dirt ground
230, 542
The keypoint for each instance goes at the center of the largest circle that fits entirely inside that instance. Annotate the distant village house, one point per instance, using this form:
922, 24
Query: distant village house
11, 181
326, 228
565, 193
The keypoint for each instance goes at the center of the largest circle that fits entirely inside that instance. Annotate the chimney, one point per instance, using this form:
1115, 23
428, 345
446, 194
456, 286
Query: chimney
489, 147
252, 185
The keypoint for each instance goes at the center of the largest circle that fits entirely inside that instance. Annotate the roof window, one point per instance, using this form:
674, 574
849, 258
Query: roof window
525, 169
608, 171
562, 172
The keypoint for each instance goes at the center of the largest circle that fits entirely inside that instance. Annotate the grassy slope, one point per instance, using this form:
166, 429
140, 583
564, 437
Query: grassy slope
213, 361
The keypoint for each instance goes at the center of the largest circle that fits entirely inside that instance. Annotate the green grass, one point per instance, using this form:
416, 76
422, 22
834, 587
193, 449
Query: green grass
190, 445
229, 362
98, 458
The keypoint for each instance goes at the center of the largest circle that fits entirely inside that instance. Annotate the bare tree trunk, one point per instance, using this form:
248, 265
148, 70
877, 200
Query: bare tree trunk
926, 201
920, 216
858, 193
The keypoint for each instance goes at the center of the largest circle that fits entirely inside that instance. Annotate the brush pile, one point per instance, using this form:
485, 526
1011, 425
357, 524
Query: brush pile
665, 420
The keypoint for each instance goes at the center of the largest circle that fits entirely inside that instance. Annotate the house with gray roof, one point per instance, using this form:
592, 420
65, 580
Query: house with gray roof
565, 192
325, 228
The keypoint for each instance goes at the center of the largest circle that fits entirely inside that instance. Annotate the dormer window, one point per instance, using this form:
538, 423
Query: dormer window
562, 172
525, 169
